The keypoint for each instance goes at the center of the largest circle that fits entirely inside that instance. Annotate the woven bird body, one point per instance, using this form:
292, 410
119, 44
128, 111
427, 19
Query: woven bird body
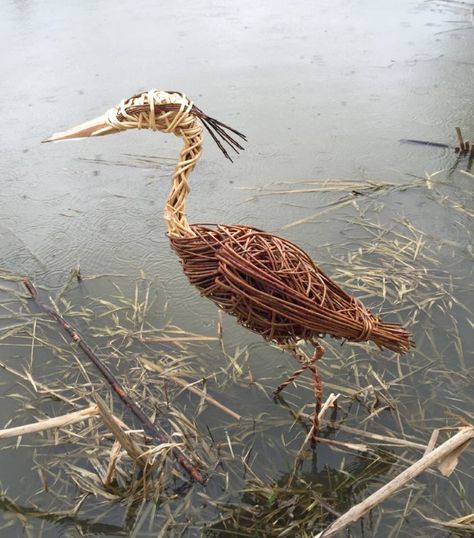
274, 289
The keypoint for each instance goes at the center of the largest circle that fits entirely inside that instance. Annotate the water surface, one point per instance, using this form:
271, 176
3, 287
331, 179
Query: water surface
324, 91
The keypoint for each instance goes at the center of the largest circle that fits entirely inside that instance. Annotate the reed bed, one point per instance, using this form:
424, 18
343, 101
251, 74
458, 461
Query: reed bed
95, 472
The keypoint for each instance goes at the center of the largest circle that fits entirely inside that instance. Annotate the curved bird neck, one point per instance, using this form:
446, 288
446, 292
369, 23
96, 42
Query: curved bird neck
175, 211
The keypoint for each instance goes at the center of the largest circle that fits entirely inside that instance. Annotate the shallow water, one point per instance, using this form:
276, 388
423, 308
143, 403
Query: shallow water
324, 91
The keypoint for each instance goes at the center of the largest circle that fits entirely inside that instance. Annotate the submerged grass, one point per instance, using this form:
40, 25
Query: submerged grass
263, 480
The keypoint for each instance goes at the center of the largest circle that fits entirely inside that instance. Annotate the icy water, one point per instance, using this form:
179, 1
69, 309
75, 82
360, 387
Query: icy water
324, 91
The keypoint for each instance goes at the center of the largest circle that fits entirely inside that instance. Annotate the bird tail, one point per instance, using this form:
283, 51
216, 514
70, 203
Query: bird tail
391, 336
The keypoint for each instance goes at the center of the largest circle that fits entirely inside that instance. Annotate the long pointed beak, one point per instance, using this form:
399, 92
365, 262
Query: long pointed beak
95, 127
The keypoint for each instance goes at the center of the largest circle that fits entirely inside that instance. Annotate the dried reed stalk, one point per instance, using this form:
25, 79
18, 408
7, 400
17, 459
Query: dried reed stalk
374, 436
110, 472
446, 456
51, 423
311, 436
126, 442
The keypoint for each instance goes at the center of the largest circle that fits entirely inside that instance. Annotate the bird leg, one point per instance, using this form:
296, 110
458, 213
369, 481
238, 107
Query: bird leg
308, 364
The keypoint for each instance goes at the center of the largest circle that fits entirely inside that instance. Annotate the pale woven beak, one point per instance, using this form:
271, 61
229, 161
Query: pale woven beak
95, 127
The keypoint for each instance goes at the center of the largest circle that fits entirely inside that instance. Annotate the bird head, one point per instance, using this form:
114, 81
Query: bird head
165, 111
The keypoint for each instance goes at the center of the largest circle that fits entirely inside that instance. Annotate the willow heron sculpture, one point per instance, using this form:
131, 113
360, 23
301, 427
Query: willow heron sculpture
269, 284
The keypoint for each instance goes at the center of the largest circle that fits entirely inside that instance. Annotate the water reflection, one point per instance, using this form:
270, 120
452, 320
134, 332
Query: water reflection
63, 522
300, 502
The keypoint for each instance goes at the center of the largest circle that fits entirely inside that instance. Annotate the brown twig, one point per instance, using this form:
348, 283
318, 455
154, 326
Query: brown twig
149, 428
423, 143
471, 158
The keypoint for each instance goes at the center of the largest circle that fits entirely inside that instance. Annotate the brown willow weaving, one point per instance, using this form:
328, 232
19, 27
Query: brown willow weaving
267, 282
275, 289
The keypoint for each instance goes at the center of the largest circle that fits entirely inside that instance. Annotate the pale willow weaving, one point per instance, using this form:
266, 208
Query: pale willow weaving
269, 284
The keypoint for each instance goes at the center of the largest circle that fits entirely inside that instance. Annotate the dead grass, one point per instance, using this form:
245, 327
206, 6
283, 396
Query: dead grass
263, 480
